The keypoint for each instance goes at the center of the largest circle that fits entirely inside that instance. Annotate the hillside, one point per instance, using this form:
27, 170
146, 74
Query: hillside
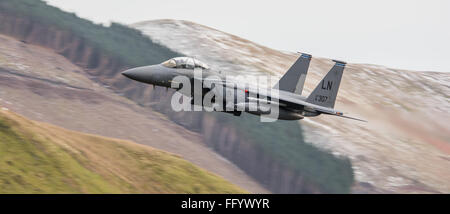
44, 86
405, 147
41, 158
84, 91
117, 41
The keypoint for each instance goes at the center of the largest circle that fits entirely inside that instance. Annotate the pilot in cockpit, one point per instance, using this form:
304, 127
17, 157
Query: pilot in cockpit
185, 62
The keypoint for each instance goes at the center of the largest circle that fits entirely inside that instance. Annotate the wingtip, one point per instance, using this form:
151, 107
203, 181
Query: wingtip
341, 114
353, 118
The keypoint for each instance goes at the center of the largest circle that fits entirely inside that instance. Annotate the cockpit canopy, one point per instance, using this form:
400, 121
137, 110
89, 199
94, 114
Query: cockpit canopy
185, 62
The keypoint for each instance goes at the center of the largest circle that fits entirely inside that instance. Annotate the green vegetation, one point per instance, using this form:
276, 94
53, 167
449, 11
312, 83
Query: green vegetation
41, 158
118, 41
283, 140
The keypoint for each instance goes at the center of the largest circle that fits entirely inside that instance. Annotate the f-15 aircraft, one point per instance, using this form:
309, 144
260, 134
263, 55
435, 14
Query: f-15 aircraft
233, 97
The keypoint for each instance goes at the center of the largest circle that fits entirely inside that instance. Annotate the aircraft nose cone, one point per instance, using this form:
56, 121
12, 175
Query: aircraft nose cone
141, 74
131, 73
152, 74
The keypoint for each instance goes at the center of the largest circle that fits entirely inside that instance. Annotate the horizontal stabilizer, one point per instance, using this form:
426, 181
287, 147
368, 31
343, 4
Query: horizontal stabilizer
353, 118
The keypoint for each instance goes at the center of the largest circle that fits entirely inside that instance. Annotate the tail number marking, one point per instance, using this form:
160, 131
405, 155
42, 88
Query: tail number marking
320, 98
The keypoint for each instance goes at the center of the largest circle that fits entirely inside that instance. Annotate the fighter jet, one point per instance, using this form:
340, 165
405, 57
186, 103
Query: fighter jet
232, 97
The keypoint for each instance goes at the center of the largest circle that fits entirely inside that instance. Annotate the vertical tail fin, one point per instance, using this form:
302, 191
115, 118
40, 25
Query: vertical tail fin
294, 79
325, 93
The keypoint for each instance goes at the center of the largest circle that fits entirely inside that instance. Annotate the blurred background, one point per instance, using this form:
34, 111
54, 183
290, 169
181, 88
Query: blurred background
403, 34
65, 105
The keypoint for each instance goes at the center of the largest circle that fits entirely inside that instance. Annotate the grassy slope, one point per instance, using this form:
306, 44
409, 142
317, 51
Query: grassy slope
282, 140
41, 158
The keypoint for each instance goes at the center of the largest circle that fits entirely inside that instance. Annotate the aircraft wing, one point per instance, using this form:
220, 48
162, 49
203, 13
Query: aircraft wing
313, 107
287, 101
353, 118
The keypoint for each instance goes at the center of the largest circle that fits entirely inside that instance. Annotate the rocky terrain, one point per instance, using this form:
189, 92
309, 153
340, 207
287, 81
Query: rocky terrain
405, 146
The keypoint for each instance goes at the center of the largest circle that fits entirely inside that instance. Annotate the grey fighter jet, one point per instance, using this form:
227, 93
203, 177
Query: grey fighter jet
232, 97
